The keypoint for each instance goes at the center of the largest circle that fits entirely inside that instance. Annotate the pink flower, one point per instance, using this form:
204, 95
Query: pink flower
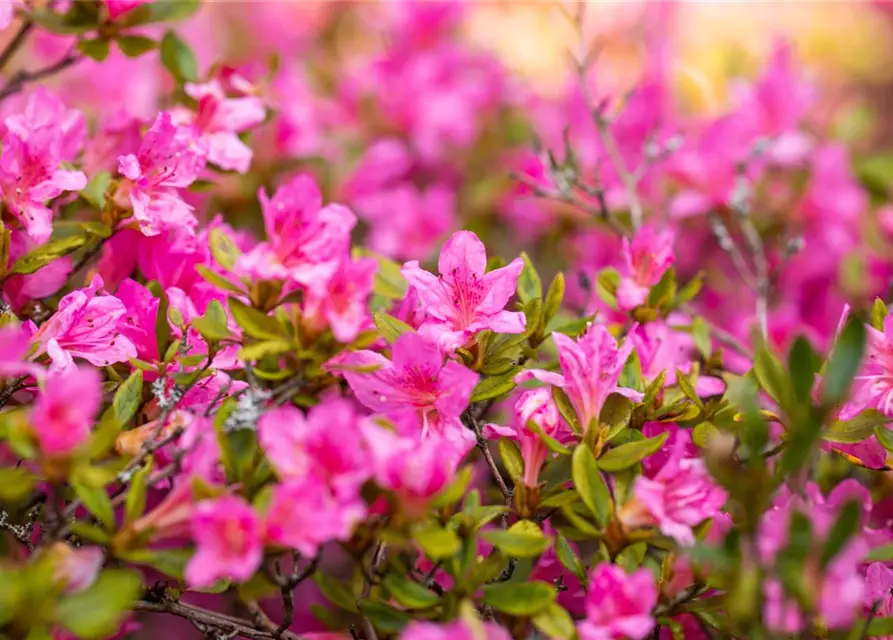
305, 514
44, 109
879, 589
14, 348
326, 446
227, 533
646, 259
591, 365
63, 413
465, 299
679, 497
458, 630
305, 241
618, 605
138, 324
536, 405
873, 387
219, 120
415, 386
119, 7
75, 569
30, 176
86, 326
340, 301
169, 159
414, 469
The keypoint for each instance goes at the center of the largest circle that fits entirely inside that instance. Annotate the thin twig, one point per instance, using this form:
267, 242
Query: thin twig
20, 78
15, 44
206, 617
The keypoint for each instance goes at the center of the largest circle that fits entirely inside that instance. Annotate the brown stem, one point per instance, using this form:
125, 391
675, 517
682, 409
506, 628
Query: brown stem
15, 44
207, 618
20, 78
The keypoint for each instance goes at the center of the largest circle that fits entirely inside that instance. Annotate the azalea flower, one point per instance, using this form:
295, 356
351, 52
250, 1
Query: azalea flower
465, 299
63, 414
227, 533
618, 605
646, 258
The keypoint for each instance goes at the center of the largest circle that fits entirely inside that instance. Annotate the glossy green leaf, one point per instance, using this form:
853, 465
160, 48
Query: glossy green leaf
627, 455
128, 398
178, 58
409, 594
46, 253
844, 362
437, 542
529, 284
511, 458
524, 539
390, 327
256, 323
97, 611
519, 599
495, 386
591, 485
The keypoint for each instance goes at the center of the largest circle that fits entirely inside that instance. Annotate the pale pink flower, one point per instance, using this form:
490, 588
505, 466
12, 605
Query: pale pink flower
227, 533
45, 109
169, 159
75, 568
618, 605
305, 241
678, 498
64, 412
536, 405
86, 325
415, 385
7, 13
30, 176
305, 514
591, 367
414, 469
466, 299
646, 259
326, 445
340, 302
218, 121
119, 7
457, 630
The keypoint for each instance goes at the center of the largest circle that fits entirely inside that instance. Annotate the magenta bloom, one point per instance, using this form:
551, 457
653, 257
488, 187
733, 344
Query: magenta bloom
14, 348
341, 301
218, 122
679, 497
618, 605
119, 7
879, 588
75, 568
415, 386
169, 159
536, 405
465, 299
64, 412
30, 176
591, 365
45, 109
138, 323
227, 533
86, 326
305, 241
458, 630
305, 514
646, 259
873, 387
326, 446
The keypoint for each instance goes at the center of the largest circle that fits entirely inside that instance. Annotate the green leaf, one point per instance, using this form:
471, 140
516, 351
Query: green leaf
878, 627
383, 617
568, 557
554, 297
846, 524
878, 314
135, 502
256, 323
855, 429
606, 286
885, 437
389, 281
551, 443
690, 290
336, 592
212, 325
89, 532
566, 409
664, 291
700, 333
160, 12
16, 484
128, 398
524, 539
616, 413
591, 485
883, 553
218, 280
224, 250
390, 327
495, 386
511, 458
58, 23
410, 594
437, 542
844, 362
162, 328
627, 455
97, 502
555, 623
97, 612
261, 350
134, 46
529, 284
455, 490
177, 57
801, 363
94, 192
45, 254
772, 377
519, 599
97, 49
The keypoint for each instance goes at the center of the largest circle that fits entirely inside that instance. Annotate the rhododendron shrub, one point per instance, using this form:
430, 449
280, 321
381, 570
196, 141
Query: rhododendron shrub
389, 344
